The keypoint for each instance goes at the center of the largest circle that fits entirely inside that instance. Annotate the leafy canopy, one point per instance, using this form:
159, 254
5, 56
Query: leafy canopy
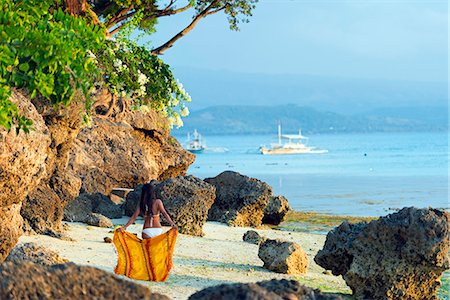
43, 50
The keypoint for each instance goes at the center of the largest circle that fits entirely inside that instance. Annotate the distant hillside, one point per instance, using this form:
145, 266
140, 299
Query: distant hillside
263, 119
346, 96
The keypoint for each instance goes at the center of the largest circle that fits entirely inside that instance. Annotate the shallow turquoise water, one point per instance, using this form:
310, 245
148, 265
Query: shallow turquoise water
362, 174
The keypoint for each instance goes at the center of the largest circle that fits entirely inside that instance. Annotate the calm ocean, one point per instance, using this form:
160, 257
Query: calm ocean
361, 175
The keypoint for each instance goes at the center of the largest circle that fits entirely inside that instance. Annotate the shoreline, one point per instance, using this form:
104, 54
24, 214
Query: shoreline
199, 262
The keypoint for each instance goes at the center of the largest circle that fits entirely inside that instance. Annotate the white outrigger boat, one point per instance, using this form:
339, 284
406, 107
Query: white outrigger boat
195, 145
293, 145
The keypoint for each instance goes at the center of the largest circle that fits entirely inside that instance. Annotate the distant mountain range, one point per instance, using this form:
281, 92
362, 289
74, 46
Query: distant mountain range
346, 96
234, 119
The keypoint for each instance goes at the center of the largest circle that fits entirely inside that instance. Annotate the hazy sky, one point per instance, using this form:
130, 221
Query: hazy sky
359, 38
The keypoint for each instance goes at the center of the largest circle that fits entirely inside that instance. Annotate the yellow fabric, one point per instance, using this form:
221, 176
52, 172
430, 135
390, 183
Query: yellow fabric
148, 259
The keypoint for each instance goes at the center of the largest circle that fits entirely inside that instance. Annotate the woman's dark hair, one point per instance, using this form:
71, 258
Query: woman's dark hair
148, 195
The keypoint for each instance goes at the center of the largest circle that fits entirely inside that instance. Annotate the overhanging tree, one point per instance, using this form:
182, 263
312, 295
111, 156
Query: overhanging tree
144, 14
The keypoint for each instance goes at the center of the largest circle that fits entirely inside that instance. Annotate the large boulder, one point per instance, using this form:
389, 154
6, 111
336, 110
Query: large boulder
400, 256
28, 280
22, 167
187, 200
253, 237
34, 253
126, 152
98, 220
240, 200
276, 210
283, 257
270, 290
79, 209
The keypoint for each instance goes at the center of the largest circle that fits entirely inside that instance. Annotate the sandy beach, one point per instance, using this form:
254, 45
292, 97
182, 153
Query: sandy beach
219, 257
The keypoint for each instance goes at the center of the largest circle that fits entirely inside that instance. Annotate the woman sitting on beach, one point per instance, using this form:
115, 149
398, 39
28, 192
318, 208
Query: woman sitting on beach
150, 207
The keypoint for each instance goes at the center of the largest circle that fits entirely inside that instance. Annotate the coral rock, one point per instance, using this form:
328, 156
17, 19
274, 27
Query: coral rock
283, 257
276, 210
400, 256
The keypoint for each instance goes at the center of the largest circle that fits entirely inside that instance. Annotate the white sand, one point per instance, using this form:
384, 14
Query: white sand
219, 257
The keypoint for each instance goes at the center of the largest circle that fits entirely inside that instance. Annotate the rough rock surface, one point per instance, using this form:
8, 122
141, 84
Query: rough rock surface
253, 237
187, 200
22, 158
240, 200
272, 289
34, 253
400, 256
133, 198
283, 257
98, 220
78, 209
125, 153
276, 210
101, 204
43, 207
67, 281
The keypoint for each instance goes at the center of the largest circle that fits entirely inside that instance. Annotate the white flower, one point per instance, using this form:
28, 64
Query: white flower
142, 78
91, 55
184, 112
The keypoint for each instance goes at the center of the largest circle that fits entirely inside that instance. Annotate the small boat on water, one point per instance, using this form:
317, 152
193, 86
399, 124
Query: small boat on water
290, 144
195, 145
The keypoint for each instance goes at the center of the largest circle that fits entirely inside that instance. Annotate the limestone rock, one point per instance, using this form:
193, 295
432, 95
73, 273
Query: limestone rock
240, 200
98, 220
253, 237
126, 153
187, 200
43, 207
78, 209
273, 290
276, 210
132, 200
22, 167
34, 253
283, 257
103, 205
400, 256
10, 228
67, 281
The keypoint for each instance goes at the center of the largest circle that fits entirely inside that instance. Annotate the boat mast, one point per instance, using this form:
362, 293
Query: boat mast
279, 132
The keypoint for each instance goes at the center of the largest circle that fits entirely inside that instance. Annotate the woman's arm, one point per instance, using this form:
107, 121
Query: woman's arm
132, 218
165, 214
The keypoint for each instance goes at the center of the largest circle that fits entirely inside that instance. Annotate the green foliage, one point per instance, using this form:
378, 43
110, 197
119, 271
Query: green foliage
132, 72
237, 11
43, 50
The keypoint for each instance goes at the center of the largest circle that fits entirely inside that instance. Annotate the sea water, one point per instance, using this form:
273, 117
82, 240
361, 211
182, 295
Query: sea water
361, 175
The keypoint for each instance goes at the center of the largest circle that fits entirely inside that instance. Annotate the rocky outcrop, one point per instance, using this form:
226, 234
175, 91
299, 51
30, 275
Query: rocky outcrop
187, 200
22, 158
43, 208
85, 204
67, 281
240, 200
253, 237
98, 220
127, 152
400, 256
283, 257
31, 252
270, 290
276, 210
79, 209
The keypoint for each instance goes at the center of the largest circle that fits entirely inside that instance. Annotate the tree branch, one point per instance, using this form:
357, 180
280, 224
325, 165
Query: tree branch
119, 17
161, 49
169, 12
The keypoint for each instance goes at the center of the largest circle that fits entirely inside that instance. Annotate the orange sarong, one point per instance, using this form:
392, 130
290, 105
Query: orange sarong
148, 259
